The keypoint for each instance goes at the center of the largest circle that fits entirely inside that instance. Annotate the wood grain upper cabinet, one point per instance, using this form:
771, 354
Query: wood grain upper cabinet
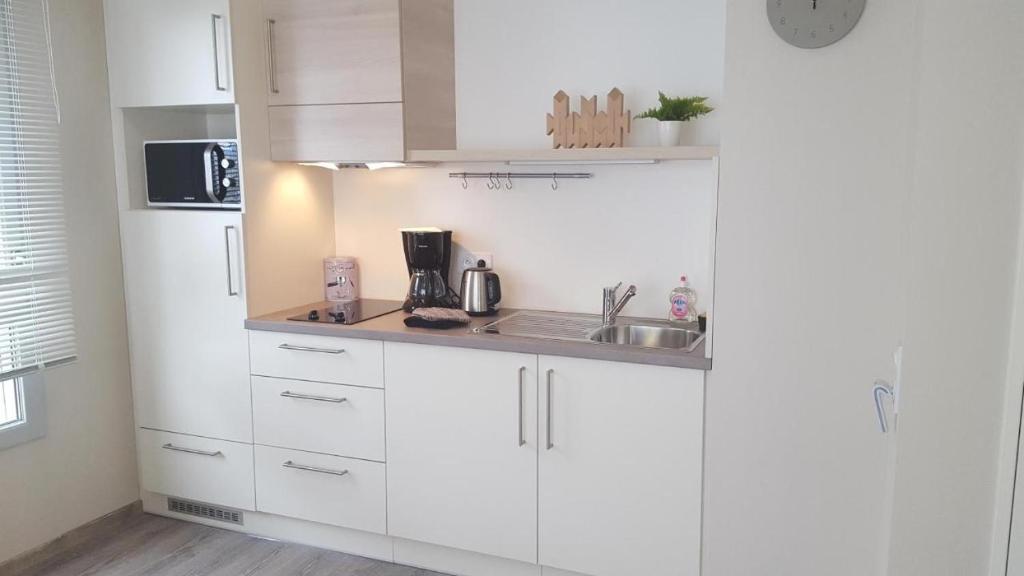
359, 80
162, 53
462, 448
334, 51
620, 468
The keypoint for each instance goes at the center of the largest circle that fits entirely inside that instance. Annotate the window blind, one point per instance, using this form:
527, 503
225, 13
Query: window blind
36, 322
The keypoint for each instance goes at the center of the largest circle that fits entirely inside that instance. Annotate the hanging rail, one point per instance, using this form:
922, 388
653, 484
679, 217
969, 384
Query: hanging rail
495, 178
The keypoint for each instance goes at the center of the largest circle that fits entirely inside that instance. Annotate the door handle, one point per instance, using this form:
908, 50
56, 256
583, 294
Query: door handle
228, 231
295, 348
549, 386
271, 57
191, 450
317, 469
298, 396
521, 437
881, 388
216, 19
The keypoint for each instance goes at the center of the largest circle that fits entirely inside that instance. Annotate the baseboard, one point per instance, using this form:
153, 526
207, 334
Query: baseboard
377, 546
74, 538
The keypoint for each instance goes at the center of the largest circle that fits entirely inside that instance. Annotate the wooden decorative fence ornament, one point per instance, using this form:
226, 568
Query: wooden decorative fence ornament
589, 128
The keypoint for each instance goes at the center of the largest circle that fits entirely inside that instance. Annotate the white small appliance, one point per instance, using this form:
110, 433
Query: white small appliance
341, 279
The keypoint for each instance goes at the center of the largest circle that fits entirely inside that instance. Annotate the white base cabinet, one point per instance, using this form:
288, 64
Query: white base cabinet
212, 471
186, 322
620, 468
462, 448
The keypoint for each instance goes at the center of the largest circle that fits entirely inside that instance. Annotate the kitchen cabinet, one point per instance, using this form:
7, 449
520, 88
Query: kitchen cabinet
163, 53
620, 468
334, 51
200, 469
359, 80
186, 314
462, 448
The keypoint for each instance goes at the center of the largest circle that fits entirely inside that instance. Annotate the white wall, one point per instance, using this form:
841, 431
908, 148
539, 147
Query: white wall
85, 466
555, 250
512, 57
916, 113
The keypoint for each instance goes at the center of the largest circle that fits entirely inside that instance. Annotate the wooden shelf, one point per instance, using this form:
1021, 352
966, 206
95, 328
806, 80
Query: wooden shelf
569, 155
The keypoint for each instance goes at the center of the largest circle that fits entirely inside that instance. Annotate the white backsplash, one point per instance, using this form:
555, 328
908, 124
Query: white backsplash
554, 249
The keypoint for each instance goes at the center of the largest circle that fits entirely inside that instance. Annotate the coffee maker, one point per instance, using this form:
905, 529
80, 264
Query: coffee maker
428, 256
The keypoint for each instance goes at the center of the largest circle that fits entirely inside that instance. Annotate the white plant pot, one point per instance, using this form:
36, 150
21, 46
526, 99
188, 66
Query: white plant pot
669, 131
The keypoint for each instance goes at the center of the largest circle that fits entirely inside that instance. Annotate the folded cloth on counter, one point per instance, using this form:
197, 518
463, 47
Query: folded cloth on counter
438, 318
451, 314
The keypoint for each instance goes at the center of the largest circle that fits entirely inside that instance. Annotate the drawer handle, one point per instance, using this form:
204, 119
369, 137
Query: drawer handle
294, 466
191, 450
310, 349
290, 394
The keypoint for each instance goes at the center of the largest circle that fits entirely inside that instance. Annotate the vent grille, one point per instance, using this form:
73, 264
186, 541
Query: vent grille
548, 325
204, 511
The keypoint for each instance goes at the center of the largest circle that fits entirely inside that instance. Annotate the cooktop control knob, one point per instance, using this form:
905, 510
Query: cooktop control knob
227, 182
226, 163
313, 315
338, 317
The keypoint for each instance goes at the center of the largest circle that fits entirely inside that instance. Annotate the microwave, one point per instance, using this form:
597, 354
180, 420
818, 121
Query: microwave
193, 174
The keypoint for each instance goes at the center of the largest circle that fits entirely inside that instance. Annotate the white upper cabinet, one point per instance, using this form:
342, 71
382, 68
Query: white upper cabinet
462, 448
162, 53
334, 51
186, 322
620, 468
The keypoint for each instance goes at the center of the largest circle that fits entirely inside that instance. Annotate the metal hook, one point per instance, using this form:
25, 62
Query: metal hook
465, 182
490, 180
508, 178
554, 181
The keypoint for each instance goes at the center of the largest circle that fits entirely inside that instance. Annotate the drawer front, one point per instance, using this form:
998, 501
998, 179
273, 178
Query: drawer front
328, 489
315, 417
317, 358
214, 471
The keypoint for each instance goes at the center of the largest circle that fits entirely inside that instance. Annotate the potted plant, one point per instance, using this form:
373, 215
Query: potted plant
672, 112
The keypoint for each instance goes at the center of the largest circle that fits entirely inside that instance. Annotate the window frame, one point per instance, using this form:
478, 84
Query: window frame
32, 425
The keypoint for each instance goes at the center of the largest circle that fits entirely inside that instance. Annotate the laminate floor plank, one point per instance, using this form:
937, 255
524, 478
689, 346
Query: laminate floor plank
148, 545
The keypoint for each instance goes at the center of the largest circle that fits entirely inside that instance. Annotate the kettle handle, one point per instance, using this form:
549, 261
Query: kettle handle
493, 289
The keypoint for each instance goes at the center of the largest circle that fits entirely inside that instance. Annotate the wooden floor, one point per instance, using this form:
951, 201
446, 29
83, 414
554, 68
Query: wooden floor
143, 544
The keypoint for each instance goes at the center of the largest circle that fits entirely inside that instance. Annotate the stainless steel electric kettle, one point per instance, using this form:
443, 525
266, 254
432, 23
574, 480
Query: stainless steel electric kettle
481, 290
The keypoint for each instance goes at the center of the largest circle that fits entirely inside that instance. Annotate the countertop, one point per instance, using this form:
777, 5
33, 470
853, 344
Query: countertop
391, 328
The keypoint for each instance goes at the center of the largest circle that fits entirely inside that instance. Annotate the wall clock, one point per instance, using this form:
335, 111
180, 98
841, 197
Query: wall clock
814, 23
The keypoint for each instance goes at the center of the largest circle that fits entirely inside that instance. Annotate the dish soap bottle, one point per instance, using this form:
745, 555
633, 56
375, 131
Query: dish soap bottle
684, 302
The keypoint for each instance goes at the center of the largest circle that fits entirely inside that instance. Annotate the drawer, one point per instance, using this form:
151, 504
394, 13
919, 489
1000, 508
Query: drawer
213, 471
316, 417
328, 489
317, 358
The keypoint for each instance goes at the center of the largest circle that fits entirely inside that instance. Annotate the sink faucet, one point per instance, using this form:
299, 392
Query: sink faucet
612, 308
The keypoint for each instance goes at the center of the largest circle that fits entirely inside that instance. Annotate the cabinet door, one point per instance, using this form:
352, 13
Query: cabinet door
346, 132
186, 316
462, 448
333, 51
620, 468
163, 53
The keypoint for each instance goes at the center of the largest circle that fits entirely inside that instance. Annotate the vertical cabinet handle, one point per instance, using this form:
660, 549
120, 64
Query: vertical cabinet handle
271, 56
217, 20
550, 442
880, 389
228, 231
520, 435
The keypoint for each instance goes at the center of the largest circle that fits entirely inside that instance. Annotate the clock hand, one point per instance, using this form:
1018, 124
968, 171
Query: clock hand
814, 4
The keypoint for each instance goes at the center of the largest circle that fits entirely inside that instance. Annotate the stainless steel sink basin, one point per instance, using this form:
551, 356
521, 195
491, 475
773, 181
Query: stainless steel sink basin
649, 336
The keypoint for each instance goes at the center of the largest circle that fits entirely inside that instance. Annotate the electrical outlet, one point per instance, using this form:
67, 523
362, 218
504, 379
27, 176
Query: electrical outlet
469, 259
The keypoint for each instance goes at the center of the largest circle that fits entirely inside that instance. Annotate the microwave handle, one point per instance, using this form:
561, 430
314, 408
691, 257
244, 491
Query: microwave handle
228, 232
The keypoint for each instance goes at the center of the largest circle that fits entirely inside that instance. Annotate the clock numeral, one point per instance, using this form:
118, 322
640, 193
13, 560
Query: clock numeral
795, 30
814, 33
846, 15
831, 28
782, 21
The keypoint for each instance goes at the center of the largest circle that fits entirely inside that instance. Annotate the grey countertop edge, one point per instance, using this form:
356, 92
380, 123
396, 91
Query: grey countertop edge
391, 328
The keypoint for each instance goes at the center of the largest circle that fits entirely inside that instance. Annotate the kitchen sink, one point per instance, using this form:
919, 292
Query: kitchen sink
648, 336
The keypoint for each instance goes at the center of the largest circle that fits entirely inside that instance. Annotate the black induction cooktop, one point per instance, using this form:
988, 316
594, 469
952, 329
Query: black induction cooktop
350, 312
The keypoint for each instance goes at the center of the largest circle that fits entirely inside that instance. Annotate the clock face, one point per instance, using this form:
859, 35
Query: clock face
814, 23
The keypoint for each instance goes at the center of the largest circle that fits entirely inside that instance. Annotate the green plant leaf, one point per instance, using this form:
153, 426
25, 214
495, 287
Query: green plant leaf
681, 109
